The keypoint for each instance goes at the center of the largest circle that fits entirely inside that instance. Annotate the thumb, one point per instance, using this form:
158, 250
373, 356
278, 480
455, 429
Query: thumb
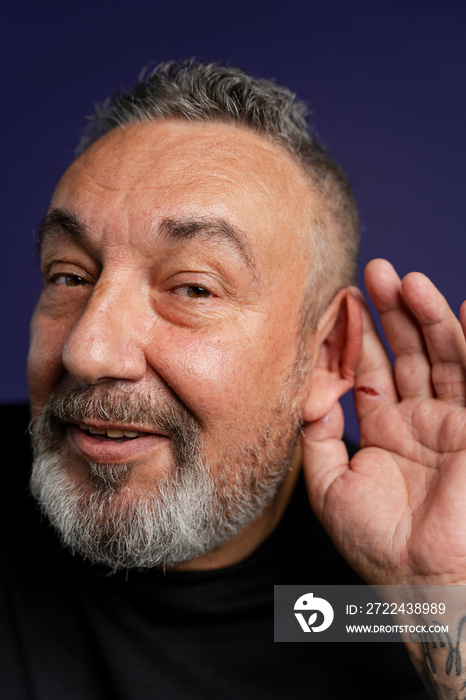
325, 457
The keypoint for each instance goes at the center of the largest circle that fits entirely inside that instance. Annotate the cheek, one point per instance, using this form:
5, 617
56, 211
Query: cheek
45, 359
201, 372
226, 383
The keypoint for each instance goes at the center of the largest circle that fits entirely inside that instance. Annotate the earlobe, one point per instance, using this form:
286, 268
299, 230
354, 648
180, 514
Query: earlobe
339, 342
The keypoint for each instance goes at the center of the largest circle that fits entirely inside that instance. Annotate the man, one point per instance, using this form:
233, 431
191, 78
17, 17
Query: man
195, 332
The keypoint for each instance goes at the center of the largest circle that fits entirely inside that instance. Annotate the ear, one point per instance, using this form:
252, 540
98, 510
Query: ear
338, 342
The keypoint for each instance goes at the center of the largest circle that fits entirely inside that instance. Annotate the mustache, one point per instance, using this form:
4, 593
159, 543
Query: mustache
117, 404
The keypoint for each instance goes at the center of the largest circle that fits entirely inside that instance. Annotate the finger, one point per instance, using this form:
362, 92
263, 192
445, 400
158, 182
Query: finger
402, 330
374, 382
463, 317
443, 336
325, 455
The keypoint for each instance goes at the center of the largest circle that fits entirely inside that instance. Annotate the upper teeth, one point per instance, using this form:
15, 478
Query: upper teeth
112, 433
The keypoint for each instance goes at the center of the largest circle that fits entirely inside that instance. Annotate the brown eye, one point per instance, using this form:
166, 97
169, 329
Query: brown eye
193, 292
197, 292
66, 280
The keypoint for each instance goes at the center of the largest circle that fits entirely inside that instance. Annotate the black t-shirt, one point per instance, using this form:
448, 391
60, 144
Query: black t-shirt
69, 631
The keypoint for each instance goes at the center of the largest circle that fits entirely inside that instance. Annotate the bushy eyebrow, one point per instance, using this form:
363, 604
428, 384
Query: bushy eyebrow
60, 221
210, 229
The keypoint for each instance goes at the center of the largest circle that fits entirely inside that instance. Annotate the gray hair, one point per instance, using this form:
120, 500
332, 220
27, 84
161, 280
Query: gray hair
211, 92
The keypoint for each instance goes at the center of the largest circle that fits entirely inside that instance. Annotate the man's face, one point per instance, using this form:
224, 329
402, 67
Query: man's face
175, 272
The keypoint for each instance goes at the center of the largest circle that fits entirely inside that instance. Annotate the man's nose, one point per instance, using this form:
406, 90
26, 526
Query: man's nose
107, 341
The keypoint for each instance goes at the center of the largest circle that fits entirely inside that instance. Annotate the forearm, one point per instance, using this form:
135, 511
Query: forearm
433, 624
441, 665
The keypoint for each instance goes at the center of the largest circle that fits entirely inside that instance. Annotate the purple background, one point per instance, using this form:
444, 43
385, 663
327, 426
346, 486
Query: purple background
386, 81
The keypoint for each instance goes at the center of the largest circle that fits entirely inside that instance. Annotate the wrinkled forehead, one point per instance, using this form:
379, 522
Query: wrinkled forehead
179, 170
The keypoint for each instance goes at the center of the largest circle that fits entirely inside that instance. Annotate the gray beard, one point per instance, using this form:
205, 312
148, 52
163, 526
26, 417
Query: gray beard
189, 511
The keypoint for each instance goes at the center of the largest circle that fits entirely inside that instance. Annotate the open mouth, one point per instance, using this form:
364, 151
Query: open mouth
115, 434
113, 443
